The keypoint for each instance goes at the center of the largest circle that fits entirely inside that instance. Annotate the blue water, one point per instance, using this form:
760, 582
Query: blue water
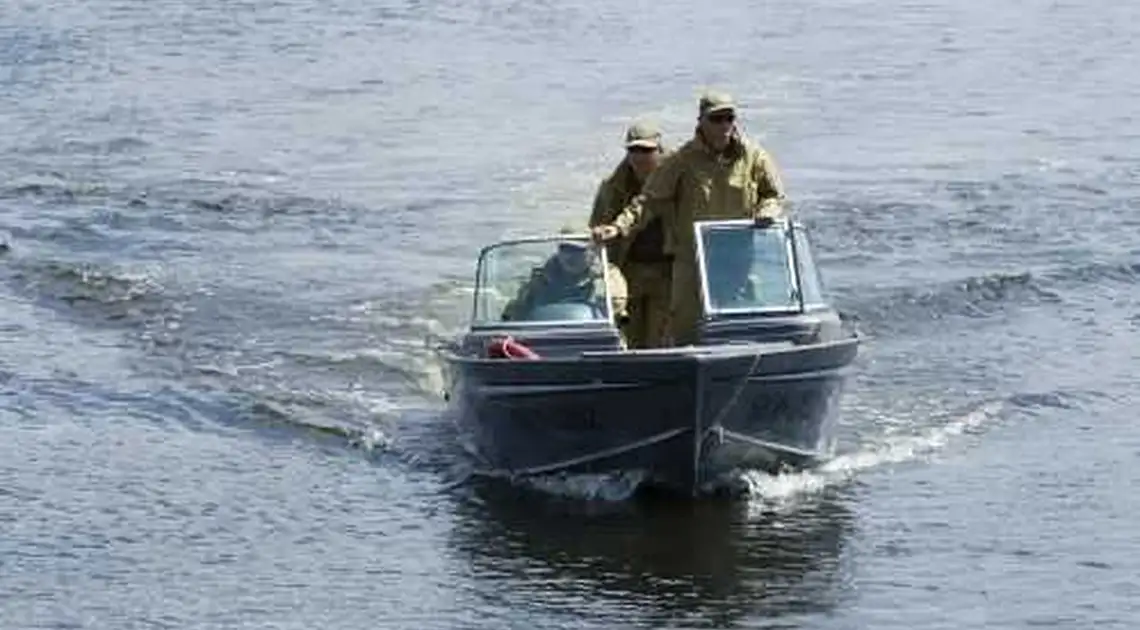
234, 229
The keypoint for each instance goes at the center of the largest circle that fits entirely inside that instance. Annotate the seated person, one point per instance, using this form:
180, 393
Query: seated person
567, 276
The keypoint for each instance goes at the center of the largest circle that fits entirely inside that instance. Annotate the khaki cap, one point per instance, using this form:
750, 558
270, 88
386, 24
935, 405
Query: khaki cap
714, 101
643, 133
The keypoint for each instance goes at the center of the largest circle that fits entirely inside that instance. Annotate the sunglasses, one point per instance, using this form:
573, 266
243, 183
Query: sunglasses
721, 117
641, 149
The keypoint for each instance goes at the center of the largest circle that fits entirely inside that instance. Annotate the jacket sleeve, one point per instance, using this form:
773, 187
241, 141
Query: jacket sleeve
657, 197
603, 202
769, 185
523, 298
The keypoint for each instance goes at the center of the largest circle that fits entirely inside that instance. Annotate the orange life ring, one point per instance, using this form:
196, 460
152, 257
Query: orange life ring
508, 348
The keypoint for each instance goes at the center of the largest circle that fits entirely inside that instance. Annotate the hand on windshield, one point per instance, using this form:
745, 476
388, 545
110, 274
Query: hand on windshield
766, 213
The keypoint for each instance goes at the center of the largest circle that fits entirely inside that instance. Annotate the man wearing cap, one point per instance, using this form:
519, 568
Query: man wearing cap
642, 260
569, 275
718, 174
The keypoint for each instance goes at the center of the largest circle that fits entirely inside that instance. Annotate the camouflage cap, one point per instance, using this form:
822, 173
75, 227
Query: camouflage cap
643, 133
714, 101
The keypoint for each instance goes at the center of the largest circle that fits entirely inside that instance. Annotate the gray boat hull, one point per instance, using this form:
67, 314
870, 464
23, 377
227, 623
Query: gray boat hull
684, 416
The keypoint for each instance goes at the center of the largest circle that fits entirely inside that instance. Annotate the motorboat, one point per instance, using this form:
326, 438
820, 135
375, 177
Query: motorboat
552, 387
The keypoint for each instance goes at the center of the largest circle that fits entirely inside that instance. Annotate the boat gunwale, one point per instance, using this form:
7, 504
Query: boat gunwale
695, 353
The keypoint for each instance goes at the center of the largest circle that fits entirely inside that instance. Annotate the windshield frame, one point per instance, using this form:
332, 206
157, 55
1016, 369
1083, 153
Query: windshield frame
486, 254
789, 230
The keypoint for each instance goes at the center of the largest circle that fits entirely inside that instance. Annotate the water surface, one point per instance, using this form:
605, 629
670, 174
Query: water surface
233, 232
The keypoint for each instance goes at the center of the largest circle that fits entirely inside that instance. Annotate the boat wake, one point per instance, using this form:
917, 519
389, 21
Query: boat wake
774, 493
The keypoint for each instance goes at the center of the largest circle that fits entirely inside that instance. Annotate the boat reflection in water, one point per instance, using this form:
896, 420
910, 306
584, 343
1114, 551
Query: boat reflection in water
704, 563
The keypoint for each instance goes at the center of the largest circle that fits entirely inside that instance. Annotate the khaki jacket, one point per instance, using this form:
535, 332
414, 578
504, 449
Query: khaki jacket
695, 183
548, 284
614, 194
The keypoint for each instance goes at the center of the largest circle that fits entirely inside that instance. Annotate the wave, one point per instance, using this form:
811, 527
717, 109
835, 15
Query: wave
979, 297
109, 293
898, 310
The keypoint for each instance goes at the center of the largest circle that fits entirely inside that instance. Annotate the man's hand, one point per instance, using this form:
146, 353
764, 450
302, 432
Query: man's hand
604, 233
766, 213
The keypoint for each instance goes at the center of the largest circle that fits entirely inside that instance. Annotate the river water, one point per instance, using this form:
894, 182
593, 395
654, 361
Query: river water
232, 231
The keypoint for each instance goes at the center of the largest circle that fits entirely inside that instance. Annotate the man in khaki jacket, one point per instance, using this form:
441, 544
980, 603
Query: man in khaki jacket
643, 262
718, 174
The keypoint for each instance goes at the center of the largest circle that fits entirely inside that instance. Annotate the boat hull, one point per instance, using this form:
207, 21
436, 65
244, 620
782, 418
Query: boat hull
685, 416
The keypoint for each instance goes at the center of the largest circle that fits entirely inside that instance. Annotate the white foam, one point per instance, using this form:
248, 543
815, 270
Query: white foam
771, 493
615, 487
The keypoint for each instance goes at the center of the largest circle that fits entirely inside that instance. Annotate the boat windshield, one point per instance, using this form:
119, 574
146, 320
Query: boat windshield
749, 269
556, 279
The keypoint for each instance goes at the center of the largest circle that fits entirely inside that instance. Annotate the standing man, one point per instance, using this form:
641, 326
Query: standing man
642, 259
718, 174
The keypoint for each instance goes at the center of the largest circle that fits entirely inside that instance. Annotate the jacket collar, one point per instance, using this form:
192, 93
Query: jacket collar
734, 150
